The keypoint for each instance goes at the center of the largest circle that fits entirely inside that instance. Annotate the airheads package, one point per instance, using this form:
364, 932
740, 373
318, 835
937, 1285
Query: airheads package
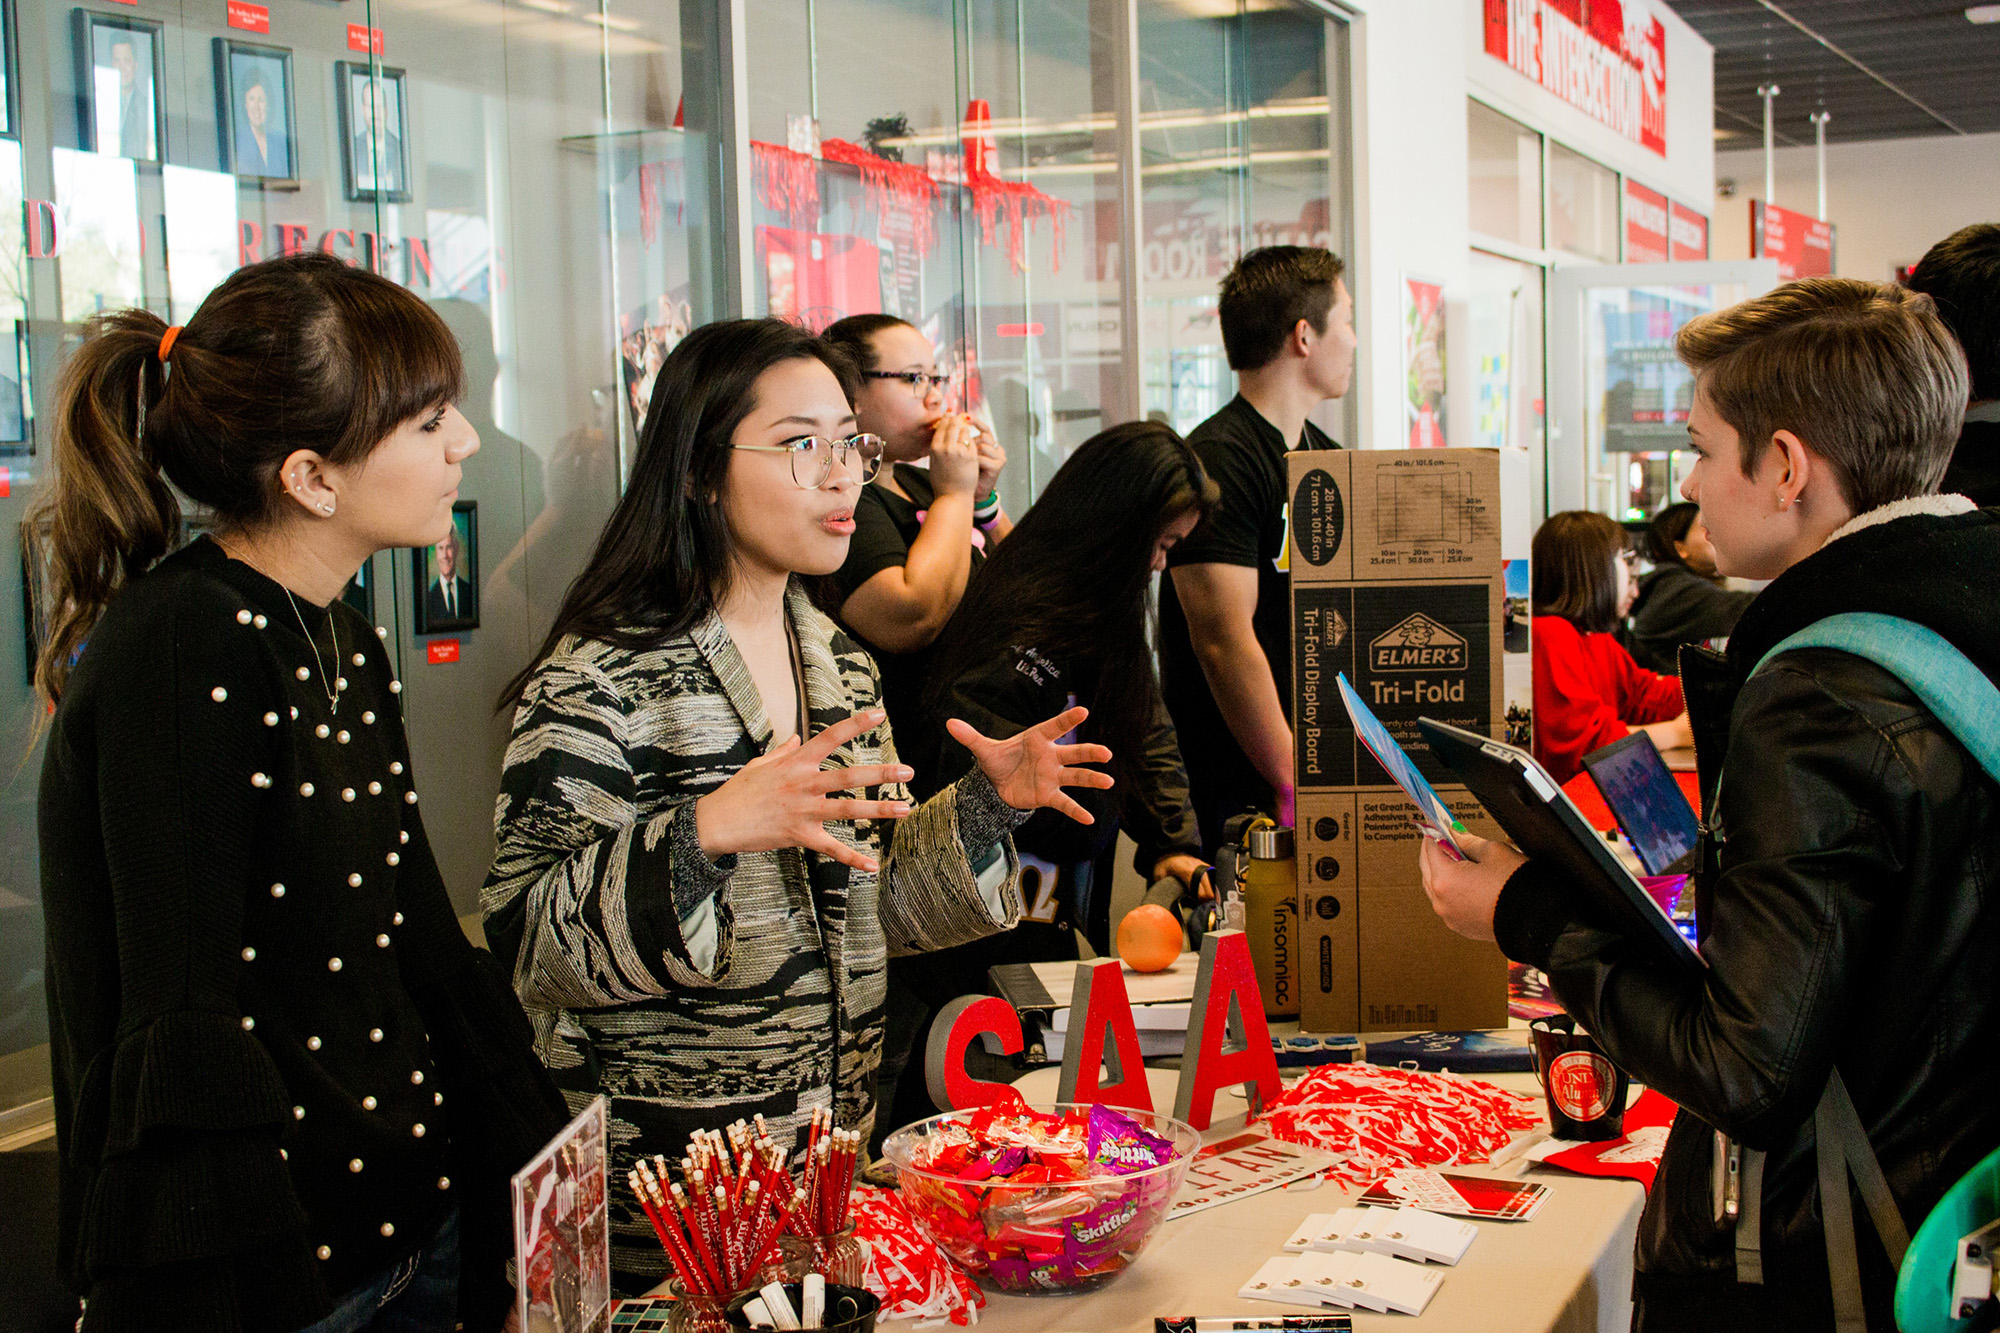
1398, 583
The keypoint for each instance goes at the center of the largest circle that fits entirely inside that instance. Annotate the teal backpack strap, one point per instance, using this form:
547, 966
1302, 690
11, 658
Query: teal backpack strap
1956, 692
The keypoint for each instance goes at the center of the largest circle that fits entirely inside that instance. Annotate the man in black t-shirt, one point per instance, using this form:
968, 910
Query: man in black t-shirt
1225, 613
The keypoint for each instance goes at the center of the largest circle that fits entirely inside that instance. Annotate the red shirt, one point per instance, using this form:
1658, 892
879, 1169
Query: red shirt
1588, 693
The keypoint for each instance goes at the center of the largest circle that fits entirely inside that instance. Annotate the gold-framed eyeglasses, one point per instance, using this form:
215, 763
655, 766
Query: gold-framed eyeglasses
921, 382
813, 456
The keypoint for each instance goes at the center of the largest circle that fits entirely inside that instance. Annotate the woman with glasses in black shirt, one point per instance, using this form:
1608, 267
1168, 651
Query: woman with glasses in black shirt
918, 533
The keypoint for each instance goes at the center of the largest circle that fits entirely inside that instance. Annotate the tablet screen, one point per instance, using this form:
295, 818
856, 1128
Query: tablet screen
1649, 804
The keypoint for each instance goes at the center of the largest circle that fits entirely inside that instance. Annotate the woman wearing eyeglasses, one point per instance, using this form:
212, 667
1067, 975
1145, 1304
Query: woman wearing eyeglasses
1588, 690
918, 532
707, 851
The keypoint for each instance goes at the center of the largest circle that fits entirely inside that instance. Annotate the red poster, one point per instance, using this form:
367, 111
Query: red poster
1802, 245
1689, 231
249, 17
1646, 226
1608, 59
816, 278
361, 37
440, 651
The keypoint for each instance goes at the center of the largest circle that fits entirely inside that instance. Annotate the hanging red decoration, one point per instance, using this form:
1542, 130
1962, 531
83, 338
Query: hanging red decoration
786, 182
892, 185
656, 181
1021, 204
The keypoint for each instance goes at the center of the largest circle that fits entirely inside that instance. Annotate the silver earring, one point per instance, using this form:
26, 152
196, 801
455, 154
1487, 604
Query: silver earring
326, 509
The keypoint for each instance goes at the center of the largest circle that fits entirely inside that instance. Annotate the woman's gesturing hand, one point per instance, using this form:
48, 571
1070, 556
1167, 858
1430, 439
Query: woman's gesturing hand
785, 799
1030, 770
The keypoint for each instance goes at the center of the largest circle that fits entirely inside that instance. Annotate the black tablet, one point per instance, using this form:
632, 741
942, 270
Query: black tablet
1526, 802
1642, 793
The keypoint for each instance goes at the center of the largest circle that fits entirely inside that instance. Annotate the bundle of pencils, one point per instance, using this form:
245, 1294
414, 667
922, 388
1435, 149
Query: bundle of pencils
719, 1222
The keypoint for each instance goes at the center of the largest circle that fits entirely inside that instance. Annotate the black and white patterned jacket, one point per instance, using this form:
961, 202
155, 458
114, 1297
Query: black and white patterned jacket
694, 992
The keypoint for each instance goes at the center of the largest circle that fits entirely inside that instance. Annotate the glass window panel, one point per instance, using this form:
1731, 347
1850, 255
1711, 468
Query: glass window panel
1504, 322
1505, 189
1583, 206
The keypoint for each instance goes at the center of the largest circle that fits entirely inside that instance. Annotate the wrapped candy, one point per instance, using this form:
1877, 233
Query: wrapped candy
1378, 1119
1120, 1143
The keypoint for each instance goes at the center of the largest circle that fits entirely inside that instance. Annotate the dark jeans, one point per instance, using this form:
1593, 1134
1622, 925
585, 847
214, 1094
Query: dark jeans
416, 1295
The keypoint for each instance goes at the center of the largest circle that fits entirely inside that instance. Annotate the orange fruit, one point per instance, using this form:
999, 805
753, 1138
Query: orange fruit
1149, 938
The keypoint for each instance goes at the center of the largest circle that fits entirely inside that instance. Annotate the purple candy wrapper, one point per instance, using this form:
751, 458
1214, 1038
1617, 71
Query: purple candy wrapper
1096, 1239
1047, 1272
1117, 1141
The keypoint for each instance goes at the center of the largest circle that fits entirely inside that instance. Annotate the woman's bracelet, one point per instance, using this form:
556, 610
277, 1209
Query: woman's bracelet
986, 512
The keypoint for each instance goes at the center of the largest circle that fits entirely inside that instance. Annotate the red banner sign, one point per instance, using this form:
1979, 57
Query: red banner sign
1607, 58
361, 37
1802, 245
1646, 226
439, 651
249, 17
1689, 234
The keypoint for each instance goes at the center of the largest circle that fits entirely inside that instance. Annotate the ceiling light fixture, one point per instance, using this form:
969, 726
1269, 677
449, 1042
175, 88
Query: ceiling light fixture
1983, 14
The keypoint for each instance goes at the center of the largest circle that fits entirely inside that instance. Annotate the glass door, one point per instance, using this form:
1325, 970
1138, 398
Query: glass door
1620, 396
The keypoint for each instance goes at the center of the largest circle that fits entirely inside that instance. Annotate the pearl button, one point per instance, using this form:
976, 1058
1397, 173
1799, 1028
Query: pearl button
381, 941
367, 1103
325, 1252
359, 660
368, 718
333, 965
295, 712
259, 780
259, 621
354, 881
381, 633
395, 687
437, 1099
340, 682
354, 1165
218, 694
312, 1043
248, 1022
393, 859
396, 920
284, 1156
298, 1113
346, 793
342, 738
409, 798
303, 674
249, 954
322, 731
243, 616
403, 835
305, 789
374, 1034
270, 719
388, 1228
416, 1076
396, 767
417, 1130
444, 1182
277, 890
374, 789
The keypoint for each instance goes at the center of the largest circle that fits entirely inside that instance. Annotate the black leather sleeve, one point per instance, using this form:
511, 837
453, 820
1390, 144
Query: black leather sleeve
1824, 796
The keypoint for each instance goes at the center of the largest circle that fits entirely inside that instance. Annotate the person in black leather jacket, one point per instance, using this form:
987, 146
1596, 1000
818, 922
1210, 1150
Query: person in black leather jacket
1846, 893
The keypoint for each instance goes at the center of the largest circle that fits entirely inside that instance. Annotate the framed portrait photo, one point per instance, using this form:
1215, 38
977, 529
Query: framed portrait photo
255, 114
374, 108
360, 590
120, 69
447, 575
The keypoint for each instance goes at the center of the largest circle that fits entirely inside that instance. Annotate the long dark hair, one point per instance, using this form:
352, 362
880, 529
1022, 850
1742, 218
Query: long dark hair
1072, 580
1574, 560
303, 352
666, 555
1669, 526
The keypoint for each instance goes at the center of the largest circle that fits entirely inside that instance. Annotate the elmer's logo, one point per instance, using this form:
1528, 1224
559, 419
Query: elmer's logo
1417, 644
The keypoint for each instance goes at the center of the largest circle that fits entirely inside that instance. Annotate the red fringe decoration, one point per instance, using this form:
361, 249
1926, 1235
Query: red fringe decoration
653, 186
889, 184
786, 182
1022, 204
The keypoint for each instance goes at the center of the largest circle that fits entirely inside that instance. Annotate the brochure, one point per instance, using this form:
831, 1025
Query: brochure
1433, 815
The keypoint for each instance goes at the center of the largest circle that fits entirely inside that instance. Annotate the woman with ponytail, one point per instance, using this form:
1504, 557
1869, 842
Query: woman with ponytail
289, 1092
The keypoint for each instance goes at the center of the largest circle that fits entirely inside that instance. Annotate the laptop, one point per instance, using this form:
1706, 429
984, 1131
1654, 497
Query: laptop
1648, 803
1529, 804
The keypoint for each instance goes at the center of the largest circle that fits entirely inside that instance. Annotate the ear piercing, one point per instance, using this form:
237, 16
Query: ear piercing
326, 509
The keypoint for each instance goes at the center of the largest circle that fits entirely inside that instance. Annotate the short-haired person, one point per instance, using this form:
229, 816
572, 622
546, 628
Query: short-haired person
707, 851
919, 532
449, 596
1059, 615
1681, 599
1588, 690
289, 1093
1845, 891
1225, 609
1961, 273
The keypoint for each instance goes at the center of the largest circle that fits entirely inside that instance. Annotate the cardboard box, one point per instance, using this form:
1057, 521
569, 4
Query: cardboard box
1397, 582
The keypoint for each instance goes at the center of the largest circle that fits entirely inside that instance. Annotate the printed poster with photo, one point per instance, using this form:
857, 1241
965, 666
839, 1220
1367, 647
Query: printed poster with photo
1423, 362
562, 1230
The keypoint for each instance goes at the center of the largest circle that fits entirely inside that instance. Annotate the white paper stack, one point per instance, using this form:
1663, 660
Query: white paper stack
1347, 1279
1405, 1233
1307, 1231
1276, 1281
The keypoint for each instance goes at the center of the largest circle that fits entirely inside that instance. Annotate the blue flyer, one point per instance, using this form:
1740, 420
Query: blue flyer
1433, 814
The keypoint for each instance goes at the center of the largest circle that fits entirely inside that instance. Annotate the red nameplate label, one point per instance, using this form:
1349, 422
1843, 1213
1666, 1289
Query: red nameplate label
361, 37
439, 651
249, 17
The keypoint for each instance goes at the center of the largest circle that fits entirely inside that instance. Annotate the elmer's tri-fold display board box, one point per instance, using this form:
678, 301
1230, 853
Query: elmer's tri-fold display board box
1396, 581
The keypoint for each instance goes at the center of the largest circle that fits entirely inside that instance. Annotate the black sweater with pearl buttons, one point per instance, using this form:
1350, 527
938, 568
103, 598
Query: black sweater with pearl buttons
278, 1061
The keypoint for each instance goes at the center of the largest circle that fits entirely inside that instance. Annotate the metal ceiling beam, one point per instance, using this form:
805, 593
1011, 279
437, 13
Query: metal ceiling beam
1939, 117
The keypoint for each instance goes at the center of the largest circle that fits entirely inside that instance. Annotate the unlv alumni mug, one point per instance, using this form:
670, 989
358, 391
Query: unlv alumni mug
1586, 1092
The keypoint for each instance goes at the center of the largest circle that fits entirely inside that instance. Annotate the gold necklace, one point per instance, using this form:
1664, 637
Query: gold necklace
327, 681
